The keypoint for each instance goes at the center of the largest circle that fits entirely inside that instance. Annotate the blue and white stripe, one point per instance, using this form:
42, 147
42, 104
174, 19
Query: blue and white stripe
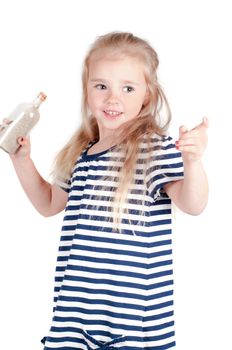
115, 291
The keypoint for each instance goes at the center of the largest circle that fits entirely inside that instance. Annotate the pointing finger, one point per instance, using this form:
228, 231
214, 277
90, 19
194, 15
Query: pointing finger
204, 124
205, 120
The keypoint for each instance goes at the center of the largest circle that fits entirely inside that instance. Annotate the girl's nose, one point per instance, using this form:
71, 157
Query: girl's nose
112, 98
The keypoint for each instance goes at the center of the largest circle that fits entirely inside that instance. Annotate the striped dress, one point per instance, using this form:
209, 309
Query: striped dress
115, 290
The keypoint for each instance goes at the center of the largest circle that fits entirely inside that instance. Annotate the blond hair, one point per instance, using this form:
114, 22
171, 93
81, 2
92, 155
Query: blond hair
148, 122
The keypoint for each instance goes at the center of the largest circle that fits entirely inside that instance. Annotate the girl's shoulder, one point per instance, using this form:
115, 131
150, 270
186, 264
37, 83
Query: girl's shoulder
159, 148
157, 140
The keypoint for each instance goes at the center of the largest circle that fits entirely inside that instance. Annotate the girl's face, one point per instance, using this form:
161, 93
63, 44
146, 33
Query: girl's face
116, 91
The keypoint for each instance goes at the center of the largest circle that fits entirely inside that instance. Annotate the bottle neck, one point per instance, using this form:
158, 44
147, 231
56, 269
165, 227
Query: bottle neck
37, 102
39, 99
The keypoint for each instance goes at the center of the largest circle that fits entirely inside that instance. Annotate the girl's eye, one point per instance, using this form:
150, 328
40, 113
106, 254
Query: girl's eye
100, 86
128, 88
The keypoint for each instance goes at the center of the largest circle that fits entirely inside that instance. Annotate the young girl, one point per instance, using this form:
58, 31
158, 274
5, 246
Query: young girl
116, 179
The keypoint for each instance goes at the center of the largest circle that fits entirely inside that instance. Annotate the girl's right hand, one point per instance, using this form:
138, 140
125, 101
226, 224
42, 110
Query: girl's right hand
24, 151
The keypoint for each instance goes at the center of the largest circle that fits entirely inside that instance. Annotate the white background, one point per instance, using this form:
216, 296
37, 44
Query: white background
42, 45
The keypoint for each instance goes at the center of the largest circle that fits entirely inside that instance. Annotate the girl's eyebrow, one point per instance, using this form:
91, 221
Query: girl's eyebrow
106, 81
129, 82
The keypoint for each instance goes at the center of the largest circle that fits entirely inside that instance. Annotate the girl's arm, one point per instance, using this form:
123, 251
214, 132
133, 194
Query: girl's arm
191, 193
46, 198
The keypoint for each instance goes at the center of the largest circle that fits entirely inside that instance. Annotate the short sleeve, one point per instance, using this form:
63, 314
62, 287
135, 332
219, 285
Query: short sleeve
64, 184
165, 166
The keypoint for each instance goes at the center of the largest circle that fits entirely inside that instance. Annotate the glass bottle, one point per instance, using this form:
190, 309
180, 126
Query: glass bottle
19, 123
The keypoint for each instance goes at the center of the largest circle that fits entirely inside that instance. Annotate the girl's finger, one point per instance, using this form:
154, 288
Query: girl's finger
22, 140
189, 148
203, 125
187, 141
7, 121
182, 130
189, 134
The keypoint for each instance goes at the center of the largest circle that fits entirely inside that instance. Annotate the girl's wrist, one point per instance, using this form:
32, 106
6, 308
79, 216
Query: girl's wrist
192, 168
191, 162
20, 159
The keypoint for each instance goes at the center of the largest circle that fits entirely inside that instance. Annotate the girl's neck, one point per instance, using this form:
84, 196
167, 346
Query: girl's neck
101, 145
105, 143
107, 140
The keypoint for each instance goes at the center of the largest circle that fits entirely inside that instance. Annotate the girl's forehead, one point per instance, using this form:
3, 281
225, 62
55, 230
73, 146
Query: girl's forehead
121, 68
109, 53
119, 63
114, 55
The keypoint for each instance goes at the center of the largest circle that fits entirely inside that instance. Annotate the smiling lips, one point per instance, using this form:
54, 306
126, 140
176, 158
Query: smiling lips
110, 113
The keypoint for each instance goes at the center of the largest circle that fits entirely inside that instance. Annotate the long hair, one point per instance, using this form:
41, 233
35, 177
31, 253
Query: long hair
149, 121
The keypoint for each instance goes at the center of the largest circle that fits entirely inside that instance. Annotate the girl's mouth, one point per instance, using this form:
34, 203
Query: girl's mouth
112, 114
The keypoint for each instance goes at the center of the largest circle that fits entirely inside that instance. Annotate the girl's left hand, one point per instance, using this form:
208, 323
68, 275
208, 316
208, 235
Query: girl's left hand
193, 143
